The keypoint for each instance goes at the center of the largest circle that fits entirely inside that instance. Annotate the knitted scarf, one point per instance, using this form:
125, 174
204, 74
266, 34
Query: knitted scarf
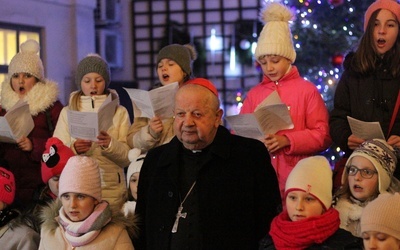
287, 234
83, 232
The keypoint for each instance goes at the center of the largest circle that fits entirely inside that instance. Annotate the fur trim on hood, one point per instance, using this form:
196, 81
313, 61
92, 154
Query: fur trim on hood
50, 212
41, 97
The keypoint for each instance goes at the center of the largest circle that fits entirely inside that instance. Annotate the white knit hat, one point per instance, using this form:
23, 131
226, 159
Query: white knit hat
276, 38
382, 215
136, 160
312, 175
81, 175
382, 156
27, 60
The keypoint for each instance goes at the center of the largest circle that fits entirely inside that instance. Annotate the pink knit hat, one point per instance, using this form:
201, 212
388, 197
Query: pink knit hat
7, 186
54, 158
390, 5
81, 175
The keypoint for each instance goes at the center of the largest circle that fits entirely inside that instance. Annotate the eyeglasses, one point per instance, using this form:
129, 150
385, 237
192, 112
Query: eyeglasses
365, 173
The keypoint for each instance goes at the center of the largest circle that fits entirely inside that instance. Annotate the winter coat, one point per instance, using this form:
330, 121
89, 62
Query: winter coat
111, 160
309, 114
140, 137
340, 240
236, 186
19, 233
360, 97
45, 109
115, 235
350, 211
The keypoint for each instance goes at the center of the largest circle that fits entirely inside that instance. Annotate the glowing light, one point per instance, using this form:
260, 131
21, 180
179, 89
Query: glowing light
338, 149
232, 61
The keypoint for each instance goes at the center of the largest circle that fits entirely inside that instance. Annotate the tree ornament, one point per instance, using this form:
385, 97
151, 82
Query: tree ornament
337, 60
335, 3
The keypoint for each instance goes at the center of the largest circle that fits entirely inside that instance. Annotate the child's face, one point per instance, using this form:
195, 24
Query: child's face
78, 206
133, 184
53, 184
93, 84
274, 67
386, 30
22, 83
2, 205
169, 71
377, 240
362, 188
301, 205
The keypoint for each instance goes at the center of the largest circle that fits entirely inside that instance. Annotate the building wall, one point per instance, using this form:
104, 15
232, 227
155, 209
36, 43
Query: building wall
68, 34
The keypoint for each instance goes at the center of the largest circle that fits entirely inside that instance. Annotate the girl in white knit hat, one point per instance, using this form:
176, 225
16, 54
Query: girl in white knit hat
83, 220
132, 180
368, 173
309, 221
110, 148
174, 64
276, 54
26, 81
380, 222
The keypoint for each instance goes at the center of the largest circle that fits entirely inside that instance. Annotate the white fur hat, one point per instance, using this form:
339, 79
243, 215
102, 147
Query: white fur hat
276, 38
136, 163
27, 60
312, 175
81, 174
381, 155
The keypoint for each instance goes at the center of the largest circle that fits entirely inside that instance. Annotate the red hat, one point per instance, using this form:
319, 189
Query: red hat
7, 186
390, 5
54, 158
205, 83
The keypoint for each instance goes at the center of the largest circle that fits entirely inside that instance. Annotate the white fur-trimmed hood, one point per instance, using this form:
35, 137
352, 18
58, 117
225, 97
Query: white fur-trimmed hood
41, 97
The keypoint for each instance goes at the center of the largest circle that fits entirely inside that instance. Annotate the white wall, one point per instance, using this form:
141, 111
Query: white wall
68, 33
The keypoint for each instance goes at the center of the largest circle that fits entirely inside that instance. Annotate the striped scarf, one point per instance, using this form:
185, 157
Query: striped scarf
83, 232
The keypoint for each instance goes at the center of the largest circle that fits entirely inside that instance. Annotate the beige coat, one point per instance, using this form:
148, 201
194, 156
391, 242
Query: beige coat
140, 137
113, 236
111, 160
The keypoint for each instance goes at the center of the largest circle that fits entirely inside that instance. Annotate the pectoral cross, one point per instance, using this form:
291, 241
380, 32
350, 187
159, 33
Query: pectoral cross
179, 215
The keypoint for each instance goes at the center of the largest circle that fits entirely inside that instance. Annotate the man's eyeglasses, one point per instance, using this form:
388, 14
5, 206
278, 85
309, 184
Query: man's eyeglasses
365, 173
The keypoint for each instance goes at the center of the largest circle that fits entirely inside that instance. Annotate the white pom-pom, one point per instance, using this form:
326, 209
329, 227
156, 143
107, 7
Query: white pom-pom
30, 46
133, 154
275, 12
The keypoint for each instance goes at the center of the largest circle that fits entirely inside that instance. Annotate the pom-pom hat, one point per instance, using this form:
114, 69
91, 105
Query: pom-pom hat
54, 158
7, 186
275, 37
381, 155
81, 175
183, 55
93, 63
27, 60
390, 5
312, 175
382, 215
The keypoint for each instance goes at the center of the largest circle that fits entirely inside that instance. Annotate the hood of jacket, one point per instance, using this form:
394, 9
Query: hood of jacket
41, 97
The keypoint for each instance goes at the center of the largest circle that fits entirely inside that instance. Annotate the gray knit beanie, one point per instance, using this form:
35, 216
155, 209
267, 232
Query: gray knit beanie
183, 55
381, 215
93, 63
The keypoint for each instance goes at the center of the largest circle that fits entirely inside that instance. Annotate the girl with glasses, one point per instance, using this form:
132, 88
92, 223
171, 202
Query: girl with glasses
369, 172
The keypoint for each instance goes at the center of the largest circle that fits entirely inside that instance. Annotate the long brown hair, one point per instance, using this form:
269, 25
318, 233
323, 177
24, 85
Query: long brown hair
365, 57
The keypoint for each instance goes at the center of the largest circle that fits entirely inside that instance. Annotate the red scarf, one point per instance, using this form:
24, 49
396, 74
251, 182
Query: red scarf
287, 234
